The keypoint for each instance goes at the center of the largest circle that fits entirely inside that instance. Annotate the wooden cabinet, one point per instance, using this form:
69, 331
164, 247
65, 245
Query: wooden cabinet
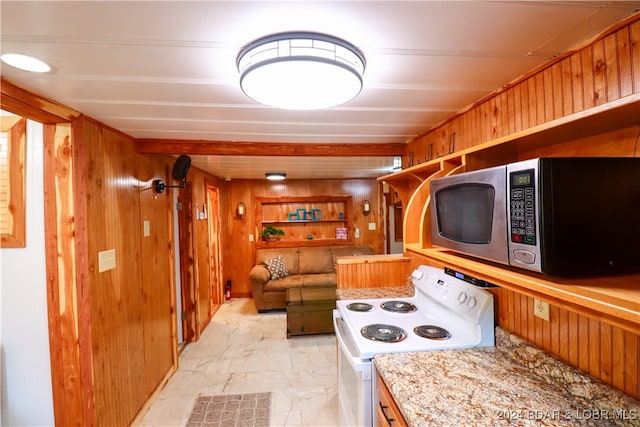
389, 414
306, 221
613, 299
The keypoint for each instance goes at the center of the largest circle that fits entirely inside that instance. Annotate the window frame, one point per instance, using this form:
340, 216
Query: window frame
16, 163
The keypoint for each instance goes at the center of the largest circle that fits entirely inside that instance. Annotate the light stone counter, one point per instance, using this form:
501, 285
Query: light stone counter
370, 293
513, 383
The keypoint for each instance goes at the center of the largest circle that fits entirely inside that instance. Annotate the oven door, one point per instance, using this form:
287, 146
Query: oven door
355, 392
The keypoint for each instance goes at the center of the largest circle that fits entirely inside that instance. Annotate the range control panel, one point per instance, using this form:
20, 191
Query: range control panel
459, 296
522, 209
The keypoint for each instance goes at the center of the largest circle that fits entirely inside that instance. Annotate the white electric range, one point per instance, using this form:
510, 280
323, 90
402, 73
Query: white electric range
444, 313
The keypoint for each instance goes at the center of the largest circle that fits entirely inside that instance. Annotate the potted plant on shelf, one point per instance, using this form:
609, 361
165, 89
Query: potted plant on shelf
271, 234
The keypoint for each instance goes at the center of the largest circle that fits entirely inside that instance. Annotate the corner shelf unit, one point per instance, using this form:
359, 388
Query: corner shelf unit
613, 299
332, 213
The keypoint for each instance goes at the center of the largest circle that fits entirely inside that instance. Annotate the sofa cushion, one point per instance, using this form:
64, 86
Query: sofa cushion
315, 261
276, 267
283, 284
321, 279
290, 256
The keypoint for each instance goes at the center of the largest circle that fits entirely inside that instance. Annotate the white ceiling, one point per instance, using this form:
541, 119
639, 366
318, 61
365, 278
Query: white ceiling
167, 70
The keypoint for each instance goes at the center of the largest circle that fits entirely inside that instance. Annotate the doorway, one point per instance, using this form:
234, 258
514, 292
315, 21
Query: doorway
217, 288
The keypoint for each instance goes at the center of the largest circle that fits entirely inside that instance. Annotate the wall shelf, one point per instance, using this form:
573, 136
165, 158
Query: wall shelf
335, 212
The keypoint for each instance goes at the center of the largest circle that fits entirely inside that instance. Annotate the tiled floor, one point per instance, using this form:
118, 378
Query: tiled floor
242, 351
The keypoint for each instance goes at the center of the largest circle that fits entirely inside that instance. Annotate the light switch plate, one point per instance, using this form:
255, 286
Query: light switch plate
147, 228
372, 226
106, 260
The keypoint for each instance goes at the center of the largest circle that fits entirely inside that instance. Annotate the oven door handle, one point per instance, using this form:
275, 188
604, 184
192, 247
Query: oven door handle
340, 328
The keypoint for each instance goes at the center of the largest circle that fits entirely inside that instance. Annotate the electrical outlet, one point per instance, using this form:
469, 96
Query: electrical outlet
541, 309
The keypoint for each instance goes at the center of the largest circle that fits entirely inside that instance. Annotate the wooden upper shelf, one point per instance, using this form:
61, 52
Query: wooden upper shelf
613, 299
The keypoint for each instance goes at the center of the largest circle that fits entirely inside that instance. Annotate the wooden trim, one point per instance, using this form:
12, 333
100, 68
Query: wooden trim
72, 393
16, 170
226, 148
82, 289
35, 107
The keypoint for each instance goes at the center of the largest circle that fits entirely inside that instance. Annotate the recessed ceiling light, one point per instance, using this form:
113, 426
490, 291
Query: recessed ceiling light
275, 176
25, 62
301, 71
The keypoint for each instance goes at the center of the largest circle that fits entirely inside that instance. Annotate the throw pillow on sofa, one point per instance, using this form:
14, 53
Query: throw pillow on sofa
276, 267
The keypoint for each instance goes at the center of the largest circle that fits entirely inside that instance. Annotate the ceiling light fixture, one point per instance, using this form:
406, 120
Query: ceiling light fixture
275, 176
301, 71
25, 62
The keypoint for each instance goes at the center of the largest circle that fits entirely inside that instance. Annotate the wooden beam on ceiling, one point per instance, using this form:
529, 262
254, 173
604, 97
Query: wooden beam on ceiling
226, 148
35, 107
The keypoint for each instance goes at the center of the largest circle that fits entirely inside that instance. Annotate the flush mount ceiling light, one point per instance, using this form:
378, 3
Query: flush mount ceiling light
301, 71
25, 62
275, 176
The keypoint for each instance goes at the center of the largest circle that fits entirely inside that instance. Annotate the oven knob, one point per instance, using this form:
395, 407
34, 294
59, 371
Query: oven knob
462, 297
472, 302
417, 274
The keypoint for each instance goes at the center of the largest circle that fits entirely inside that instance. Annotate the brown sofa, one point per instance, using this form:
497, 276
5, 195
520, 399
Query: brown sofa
306, 267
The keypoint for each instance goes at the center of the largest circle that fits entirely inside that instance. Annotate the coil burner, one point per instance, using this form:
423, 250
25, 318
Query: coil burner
384, 333
432, 332
398, 306
360, 306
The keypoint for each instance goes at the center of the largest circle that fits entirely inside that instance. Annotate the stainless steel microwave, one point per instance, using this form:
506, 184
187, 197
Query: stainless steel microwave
559, 216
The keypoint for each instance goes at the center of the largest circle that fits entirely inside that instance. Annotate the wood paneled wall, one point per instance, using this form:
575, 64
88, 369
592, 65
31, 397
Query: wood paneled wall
604, 71
372, 272
239, 253
125, 315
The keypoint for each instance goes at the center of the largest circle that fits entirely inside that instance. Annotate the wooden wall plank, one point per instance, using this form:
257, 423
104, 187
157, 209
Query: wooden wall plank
577, 83
567, 86
599, 73
612, 70
634, 35
624, 62
557, 90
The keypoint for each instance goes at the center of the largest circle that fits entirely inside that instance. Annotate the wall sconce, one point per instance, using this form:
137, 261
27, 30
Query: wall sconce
241, 210
366, 207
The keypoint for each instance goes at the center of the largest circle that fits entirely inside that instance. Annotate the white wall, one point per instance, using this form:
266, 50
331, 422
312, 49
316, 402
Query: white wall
27, 398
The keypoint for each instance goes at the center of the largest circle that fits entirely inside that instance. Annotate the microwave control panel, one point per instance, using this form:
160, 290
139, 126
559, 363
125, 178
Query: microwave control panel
522, 210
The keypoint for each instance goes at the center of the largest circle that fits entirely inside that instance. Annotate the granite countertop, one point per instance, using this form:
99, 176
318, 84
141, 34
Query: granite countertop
370, 293
514, 383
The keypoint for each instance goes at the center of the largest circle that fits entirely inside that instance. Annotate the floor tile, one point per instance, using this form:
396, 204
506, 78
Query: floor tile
242, 351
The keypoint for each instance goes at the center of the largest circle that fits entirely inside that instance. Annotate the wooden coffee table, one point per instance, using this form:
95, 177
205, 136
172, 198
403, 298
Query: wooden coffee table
309, 311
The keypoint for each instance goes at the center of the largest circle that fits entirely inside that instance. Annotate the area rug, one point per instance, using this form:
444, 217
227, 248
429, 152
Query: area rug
231, 410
